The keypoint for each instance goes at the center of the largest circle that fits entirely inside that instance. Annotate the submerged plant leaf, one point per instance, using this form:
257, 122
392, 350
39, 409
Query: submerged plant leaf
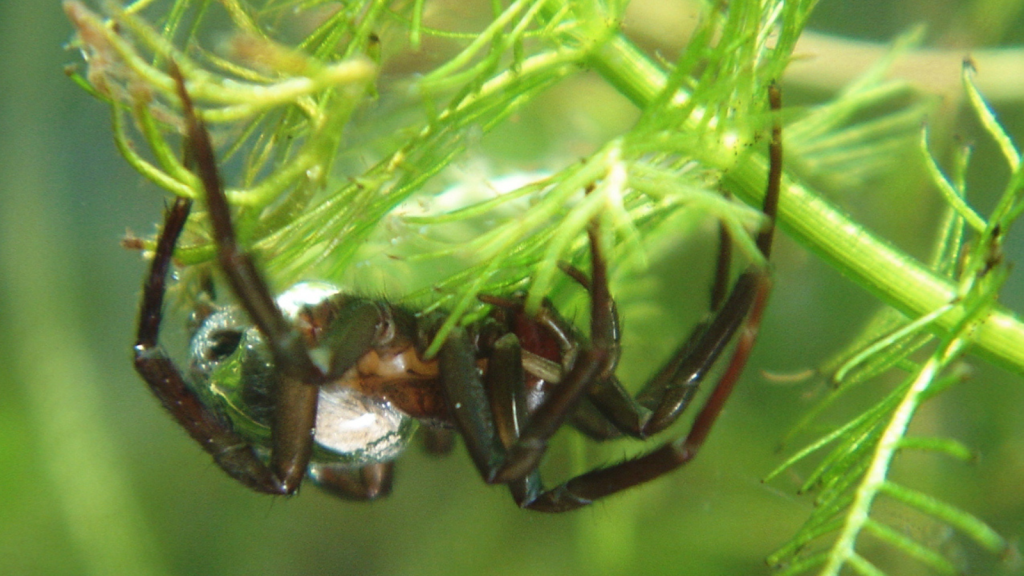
857, 470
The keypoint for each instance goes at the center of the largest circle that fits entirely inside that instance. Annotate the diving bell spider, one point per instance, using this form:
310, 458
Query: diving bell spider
505, 383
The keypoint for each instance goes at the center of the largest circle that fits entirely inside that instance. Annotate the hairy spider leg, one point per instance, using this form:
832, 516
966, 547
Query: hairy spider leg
507, 449
299, 378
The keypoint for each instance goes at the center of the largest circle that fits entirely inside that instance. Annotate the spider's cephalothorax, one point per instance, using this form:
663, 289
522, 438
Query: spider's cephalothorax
321, 383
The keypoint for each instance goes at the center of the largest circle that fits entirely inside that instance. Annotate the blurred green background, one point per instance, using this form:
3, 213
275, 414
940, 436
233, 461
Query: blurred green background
97, 480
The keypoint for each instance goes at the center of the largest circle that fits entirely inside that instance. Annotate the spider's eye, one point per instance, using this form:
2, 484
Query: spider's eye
223, 343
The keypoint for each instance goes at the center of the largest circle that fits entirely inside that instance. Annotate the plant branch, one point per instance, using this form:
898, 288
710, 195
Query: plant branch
890, 274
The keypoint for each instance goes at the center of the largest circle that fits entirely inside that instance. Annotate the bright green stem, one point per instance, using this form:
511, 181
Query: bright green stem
632, 73
896, 278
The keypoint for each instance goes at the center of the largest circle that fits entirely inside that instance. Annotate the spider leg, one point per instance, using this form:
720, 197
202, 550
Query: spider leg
624, 412
297, 389
487, 414
506, 385
591, 376
596, 363
366, 483
585, 417
350, 333
700, 353
721, 286
232, 454
670, 391
593, 422
588, 487
246, 281
741, 312
468, 403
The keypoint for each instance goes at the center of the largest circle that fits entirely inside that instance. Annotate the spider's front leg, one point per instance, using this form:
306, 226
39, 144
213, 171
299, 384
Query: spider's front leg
233, 454
297, 377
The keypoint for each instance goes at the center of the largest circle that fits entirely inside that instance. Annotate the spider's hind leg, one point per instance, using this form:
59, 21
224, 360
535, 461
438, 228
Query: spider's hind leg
609, 406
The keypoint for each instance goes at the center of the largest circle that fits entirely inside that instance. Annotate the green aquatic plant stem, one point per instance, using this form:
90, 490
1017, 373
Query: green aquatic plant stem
888, 273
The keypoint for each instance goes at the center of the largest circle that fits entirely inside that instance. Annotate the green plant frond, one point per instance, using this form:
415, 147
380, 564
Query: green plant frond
948, 446
801, 565
868, 91
858, 434
847, 141
847, 471
808, 533
169, 162
857, 469
519, 15
142, 166
718, 80
861, 565
348, 215
912, 547
888, 341
988, 119
307, 103
954, 195
868, 368
854, 154
1010, 204
328, 222
961, 520
851, 476
950, 232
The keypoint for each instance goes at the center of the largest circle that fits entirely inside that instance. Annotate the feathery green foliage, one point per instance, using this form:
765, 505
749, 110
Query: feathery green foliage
286, 110
850, 478
333, 164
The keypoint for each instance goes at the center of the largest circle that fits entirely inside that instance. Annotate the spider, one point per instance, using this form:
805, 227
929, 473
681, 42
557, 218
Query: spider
327, 384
